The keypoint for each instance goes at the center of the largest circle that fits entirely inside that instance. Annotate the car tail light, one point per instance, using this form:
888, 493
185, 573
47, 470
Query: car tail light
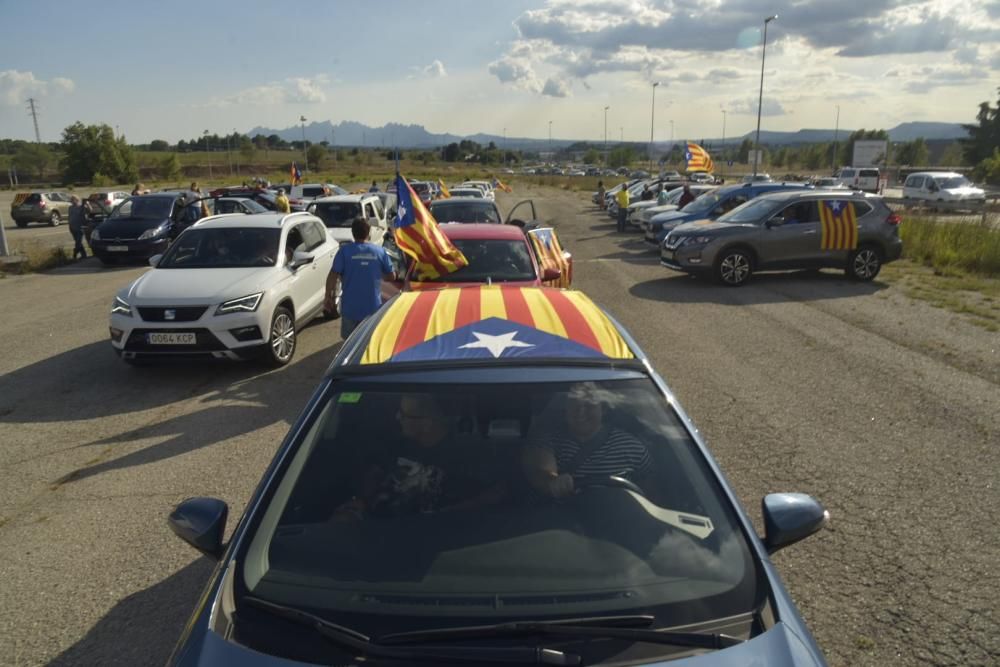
107, 202
893, 219
41, 204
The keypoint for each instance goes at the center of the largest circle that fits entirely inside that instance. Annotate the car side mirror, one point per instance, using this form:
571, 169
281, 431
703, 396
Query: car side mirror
155, 259
201, 522
774, 222
550, 273
301, 258
790, 517
517, 223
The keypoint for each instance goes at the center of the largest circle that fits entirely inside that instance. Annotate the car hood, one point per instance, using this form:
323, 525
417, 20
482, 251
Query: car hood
965, 192
128, 227
415, 286
672, 218
177, 286
649, 203
705, 225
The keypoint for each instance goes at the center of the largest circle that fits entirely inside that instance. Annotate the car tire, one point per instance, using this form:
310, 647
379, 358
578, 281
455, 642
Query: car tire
54, 219
281, 342
335, 313
733, 268
21, 223
107, 261
864, 264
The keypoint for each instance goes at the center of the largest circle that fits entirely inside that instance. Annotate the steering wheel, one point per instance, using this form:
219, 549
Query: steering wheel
612, 481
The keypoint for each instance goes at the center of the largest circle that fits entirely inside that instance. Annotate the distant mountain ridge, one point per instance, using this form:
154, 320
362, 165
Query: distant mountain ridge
353, 133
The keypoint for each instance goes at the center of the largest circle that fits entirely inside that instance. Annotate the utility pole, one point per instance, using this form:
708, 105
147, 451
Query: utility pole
34, 117
760, 98
652, 114
239, 147
208, 156
723, 143
302, 119
550, 139
505, 147
606, 134
229, 153
836, 138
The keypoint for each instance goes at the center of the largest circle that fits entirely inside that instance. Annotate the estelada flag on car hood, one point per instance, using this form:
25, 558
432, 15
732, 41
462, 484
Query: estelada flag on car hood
493, 322
698, 158
418, 235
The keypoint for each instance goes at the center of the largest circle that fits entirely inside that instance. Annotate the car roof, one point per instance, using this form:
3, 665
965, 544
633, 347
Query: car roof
481, 230
350, 199
936, 173
272, 220
486, 325
463, 201
839, 193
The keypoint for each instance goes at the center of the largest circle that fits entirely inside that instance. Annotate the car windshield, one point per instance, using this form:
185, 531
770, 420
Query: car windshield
222, 247
704, 203
467, 192
447, 508
491, 260
753, 211
145, 208
336, 214
420, 188
448, 211
948, 182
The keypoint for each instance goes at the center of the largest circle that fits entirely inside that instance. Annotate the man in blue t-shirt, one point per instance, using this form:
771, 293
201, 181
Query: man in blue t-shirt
361, 266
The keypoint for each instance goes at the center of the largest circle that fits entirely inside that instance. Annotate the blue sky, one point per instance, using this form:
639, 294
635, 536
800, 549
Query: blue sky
172, 69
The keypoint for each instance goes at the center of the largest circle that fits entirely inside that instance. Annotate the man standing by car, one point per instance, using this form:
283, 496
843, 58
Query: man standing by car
360, 267
622, 199
281, 203
686, 197
77, 222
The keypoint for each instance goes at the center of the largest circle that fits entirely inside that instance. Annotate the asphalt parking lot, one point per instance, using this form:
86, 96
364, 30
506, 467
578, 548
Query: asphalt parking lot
885, 408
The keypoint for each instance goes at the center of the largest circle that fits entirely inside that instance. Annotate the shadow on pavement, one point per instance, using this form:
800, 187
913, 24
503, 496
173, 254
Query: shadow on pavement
231, 409
143, 628
762, 288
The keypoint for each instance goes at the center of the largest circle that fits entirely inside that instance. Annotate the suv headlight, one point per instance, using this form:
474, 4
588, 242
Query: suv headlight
94, 235
152, 233
696, 240
244, 304
121, 307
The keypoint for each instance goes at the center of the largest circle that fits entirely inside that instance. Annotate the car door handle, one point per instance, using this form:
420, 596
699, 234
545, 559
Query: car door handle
810, 231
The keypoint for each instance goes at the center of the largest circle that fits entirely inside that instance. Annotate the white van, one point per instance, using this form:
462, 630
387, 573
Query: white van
859, 178
946, 189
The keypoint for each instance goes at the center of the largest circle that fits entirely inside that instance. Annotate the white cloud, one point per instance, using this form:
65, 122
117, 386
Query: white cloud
16, 87
298, 90
516, 71
771, 107
435, 69
555, 88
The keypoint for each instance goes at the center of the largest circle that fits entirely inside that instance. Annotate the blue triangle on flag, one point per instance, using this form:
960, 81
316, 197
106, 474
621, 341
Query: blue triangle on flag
494, 338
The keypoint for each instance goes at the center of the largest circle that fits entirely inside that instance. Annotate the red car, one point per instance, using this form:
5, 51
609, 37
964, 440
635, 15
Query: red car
501, 254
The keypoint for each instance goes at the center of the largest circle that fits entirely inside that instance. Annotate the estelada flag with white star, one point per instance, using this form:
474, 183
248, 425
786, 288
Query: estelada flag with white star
698, 158
493, 322
839, 224
417, 234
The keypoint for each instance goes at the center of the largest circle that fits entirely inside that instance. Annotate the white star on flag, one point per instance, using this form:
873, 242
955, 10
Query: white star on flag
401, 212
495, 344
835, 206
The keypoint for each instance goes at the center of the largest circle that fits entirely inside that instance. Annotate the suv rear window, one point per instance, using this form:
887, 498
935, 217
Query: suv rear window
312, 192
869, 173
33, 199
846, 173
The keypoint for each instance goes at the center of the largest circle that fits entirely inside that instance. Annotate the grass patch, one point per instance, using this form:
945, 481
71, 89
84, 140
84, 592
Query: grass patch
963, 293
952, 248
37, 257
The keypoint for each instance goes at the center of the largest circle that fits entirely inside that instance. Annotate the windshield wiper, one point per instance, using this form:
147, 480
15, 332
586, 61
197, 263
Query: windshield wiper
612, 627
343, 636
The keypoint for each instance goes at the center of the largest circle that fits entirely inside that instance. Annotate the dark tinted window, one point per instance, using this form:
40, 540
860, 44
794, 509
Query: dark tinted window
312, 192
869, 173
146, 208
497, 260
33, 199
464, 211
222, 247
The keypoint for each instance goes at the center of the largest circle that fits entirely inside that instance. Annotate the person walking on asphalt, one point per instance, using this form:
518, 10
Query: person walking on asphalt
361, 267
686, 197
281, 203
622, 199
77, 221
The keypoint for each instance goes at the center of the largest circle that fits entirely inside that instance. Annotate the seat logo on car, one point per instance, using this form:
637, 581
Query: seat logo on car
169, 314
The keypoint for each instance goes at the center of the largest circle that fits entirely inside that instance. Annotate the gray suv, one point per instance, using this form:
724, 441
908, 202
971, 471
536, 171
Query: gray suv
853, 231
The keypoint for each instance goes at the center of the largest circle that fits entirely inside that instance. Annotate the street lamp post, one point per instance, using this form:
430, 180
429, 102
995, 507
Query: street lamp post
836, 138
760, 99
504, 147
652, 115
208, 157
239, 146
229, 154
302, 119
606, 134
723, 143
550, 140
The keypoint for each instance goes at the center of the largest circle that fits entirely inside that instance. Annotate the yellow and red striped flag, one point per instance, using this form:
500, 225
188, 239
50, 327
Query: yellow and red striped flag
444, 190
840, 225
418, 235
698, 158
493, 322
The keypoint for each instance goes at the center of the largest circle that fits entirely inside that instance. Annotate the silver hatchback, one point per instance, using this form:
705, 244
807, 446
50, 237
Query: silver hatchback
853, 231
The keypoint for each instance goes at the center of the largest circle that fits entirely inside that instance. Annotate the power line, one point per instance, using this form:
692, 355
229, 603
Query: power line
34, 116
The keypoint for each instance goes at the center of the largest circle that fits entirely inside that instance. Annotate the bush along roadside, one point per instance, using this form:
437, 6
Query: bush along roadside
971, 247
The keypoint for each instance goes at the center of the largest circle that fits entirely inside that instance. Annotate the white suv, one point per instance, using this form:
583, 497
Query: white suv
859, 178
944, 189
338, 212
230, 286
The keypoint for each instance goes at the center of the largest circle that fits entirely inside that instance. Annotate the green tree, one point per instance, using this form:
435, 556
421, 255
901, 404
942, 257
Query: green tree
93, 149
314, 156
984, 136
745, 149
247, 149
159, 145
913, 153
33, 159
591, 157
451, 153
952, 156
169, 167
621, 156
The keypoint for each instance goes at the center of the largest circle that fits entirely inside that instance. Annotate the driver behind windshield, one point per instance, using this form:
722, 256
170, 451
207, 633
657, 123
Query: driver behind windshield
588, 449
429, 469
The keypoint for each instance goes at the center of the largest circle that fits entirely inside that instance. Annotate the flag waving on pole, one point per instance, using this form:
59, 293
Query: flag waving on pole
444, 190
296, 175
417, 234
698, 158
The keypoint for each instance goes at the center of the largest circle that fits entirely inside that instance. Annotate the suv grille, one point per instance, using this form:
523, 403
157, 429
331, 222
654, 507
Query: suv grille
181, 313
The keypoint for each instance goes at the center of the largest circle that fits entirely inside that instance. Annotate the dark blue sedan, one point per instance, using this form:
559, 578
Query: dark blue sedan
494, 474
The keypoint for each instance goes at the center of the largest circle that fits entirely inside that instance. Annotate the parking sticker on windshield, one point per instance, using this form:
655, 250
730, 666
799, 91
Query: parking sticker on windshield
349, 397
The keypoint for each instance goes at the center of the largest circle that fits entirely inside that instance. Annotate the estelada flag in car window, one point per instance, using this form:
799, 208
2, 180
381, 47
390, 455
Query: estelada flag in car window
840, 225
